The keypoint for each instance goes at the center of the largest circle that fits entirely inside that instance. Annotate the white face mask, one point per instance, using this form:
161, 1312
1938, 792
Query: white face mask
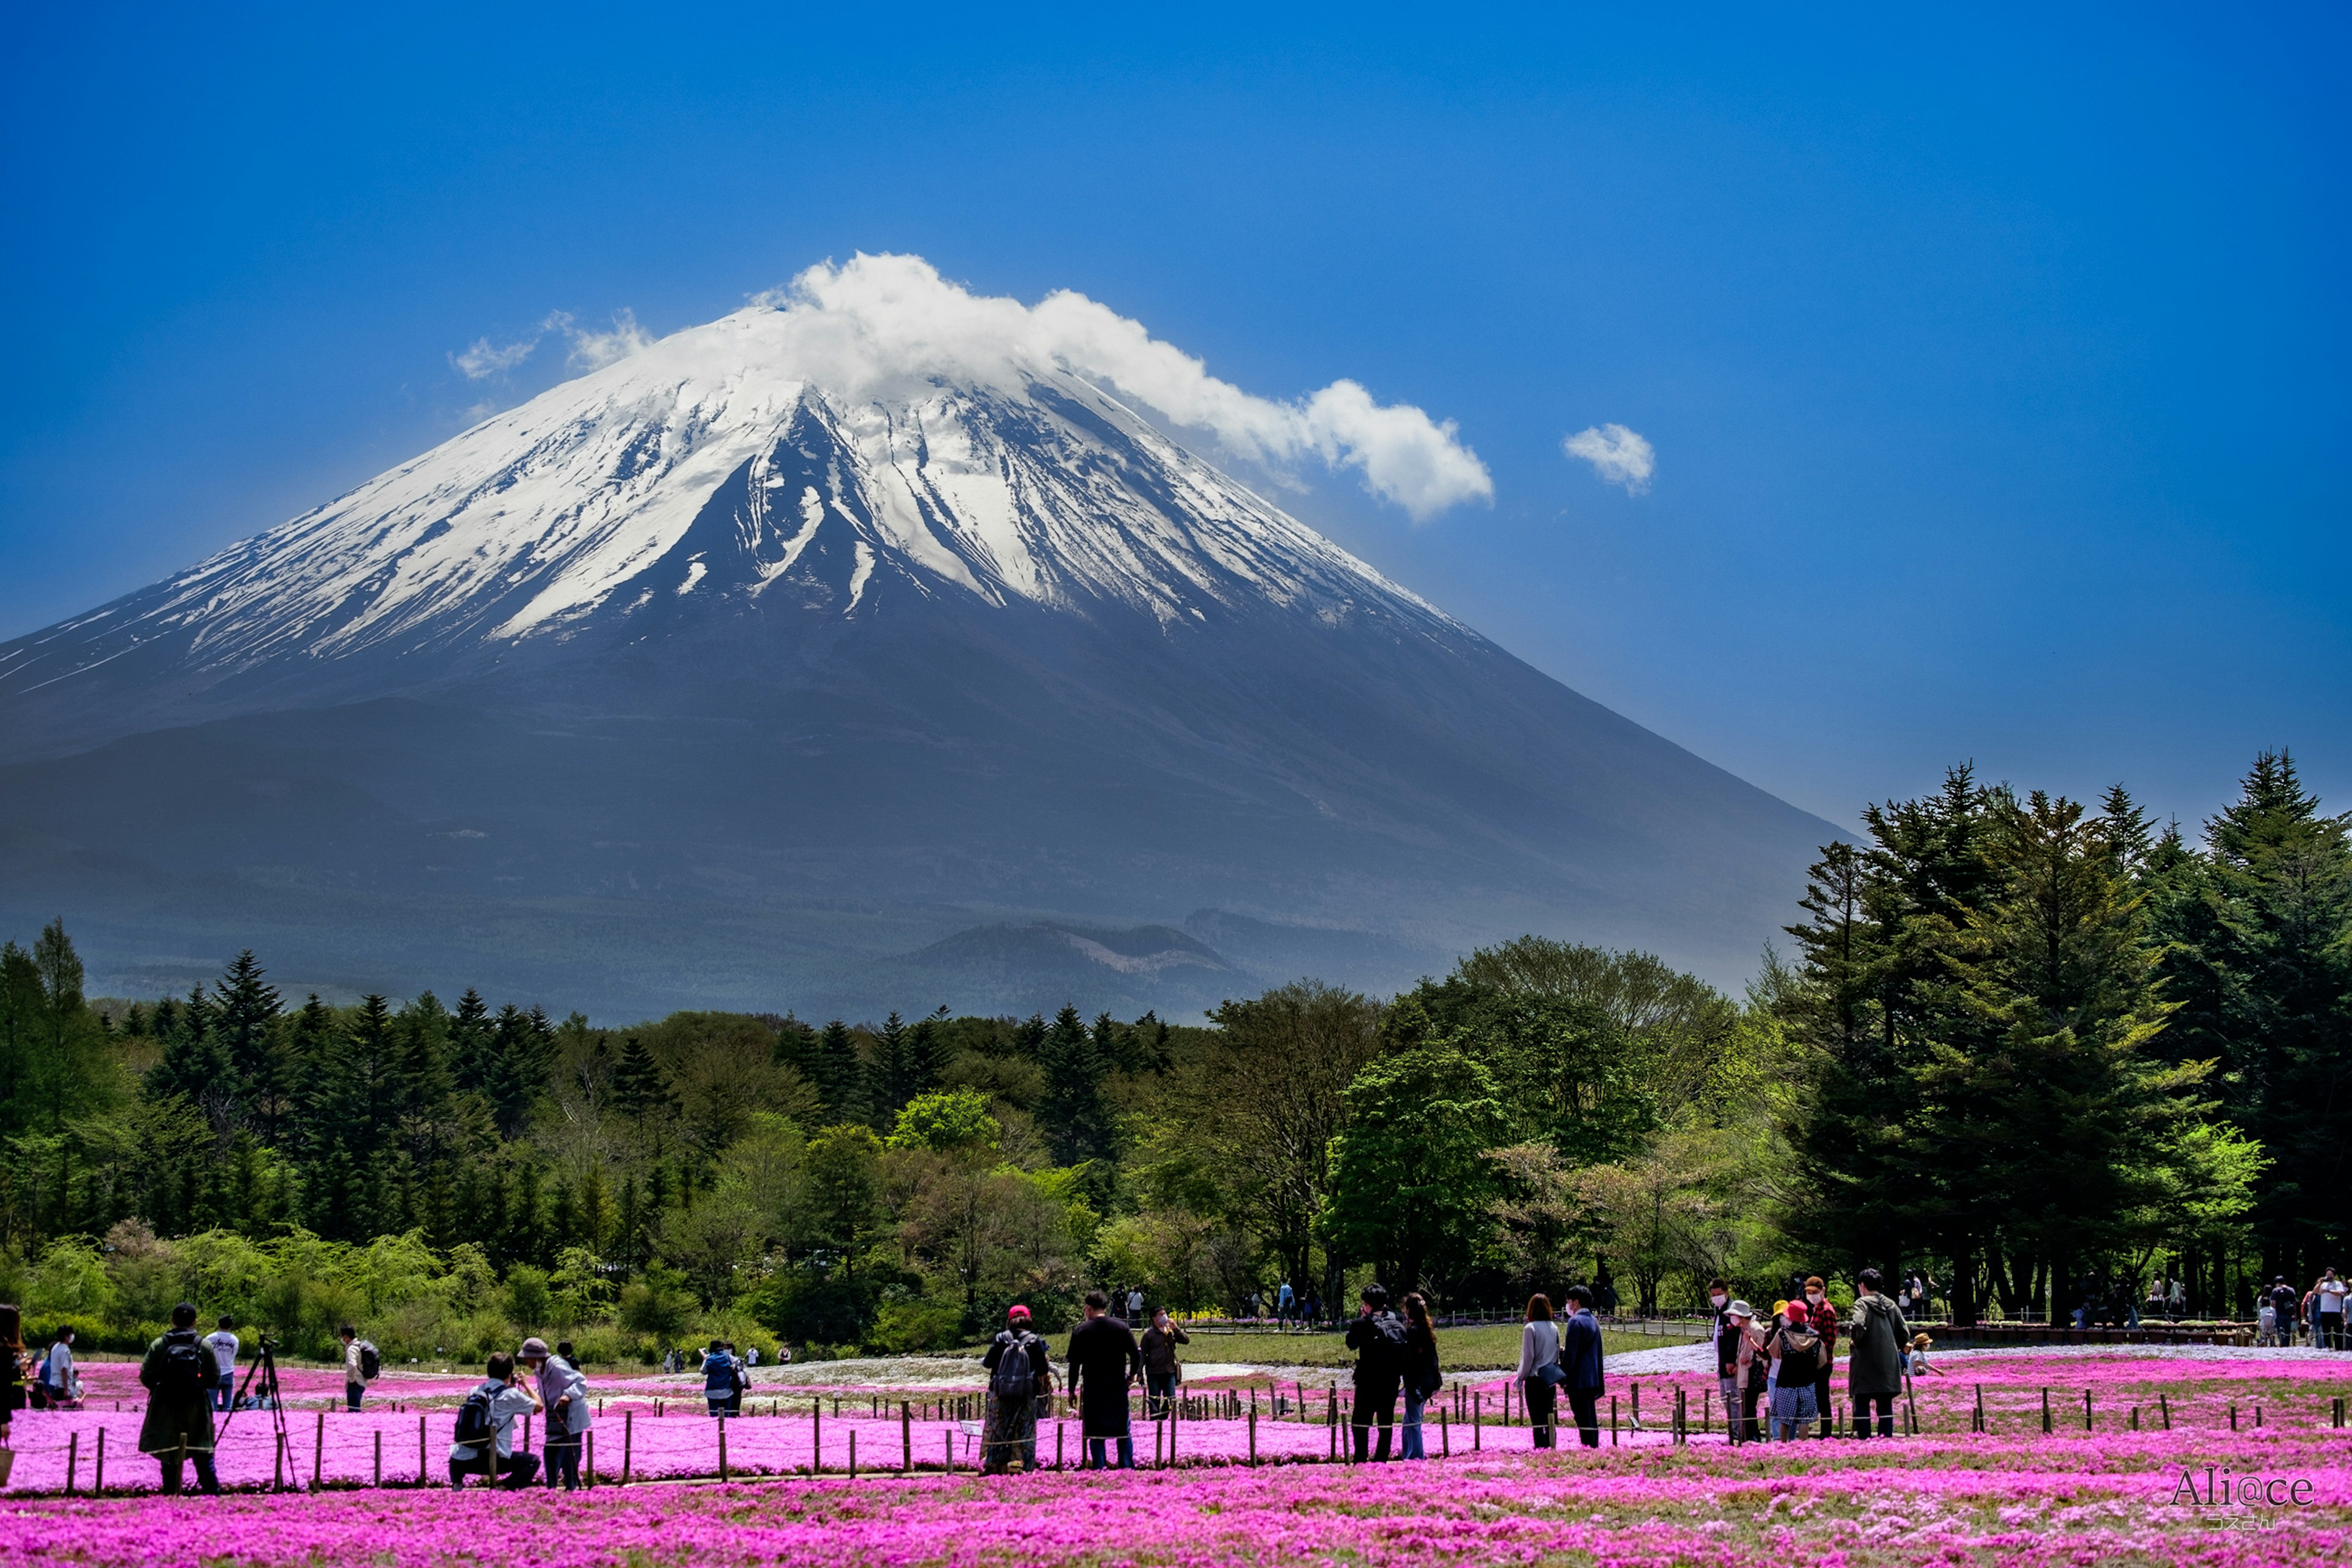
1813, 1296
1718, 1301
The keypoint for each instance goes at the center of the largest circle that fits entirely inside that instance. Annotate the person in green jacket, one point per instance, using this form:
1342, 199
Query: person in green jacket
1875, 1366
178, 1374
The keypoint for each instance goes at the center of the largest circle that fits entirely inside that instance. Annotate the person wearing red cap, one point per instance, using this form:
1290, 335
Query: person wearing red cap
1020, 1372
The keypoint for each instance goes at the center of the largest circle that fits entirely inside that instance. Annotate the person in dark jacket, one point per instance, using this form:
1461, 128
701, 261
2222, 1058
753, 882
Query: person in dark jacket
1377, 1338
1580, 1357
1161, 1371
1015, 1393
1422, 1378
1105, 1363
179, 1420
11, 1367
722, 1380
1875, 1367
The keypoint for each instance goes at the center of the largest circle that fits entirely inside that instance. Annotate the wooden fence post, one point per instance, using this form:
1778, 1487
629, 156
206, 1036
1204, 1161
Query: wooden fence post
420, 1450
379, 1458
318, 1452
628, 1442
722, 1447
98, 1476
73, 1459
905, 1439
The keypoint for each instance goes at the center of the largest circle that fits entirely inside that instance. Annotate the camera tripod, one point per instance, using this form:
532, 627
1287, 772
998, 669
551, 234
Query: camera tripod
264, 1371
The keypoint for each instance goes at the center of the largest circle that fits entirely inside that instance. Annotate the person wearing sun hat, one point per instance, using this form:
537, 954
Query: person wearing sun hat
1734, 1360
564, 1392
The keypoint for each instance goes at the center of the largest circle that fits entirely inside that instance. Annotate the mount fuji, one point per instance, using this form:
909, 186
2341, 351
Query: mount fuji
874, 641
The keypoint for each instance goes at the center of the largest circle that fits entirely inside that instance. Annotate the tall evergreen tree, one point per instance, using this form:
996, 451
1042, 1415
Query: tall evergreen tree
832, 1068
1073, 1115
640, 1092
245, 1009
473, 1044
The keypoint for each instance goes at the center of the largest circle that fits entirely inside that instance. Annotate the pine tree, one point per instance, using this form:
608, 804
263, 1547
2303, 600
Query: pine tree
472, 1044
245, 1008
639, 1091
1072, 1114
833, 1069
196, 1064
517, 1068
890, 1072
359, 1087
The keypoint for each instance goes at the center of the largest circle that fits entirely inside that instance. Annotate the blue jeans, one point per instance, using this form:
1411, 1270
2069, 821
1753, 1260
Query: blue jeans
353, 1391
1412, 1448
224, 1391
562, 1457
1159, 1389
1095, 1452
1793, 1409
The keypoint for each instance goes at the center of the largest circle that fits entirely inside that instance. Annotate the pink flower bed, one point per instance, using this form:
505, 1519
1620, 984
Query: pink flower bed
2027, 1502
2011, 1495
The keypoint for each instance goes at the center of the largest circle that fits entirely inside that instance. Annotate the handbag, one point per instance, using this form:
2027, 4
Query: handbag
1552, 1374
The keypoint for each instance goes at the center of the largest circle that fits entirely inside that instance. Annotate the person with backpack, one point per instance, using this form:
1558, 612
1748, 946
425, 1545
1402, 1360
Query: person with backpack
361, 1363
1824, 1317
563, 1394
485, 1445
1161, 1371
1020, 1369
1875, 1368
722, 1380
221, 1344
1579, 1359
1539, 1372
1799, 1349
1422, 1377
177, 1373
1377, 1338
1105, 1363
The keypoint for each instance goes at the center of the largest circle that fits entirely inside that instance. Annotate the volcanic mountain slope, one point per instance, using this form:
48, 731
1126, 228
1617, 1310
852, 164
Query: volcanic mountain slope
798, 642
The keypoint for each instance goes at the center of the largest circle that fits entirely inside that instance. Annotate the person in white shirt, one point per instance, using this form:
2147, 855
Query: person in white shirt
58, 1370
354, 1372
563, 1394
222, 1344
2327, 1312
497, 1402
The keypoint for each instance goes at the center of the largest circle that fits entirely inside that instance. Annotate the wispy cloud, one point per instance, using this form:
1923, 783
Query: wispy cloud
590, 350
594, 351
878, 321
1618, 454
482, 360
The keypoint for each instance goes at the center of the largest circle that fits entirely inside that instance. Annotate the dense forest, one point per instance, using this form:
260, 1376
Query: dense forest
2033, 1048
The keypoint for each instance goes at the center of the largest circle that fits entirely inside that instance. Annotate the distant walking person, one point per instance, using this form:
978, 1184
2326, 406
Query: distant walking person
1874, 1369
1540, 1372
60, 1384
1377, 1338
1281, 1300
1134, 1305
1422, 1377
1579, 1361
221, 1344
1105, 1363
722, 1380
177, 1374
355, 1379
1161, 1371
1020, 1372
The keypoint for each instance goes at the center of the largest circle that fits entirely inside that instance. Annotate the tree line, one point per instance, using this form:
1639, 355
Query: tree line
2019, 1043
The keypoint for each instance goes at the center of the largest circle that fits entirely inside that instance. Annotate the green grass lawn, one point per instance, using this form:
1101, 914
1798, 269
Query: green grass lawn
1487, 1345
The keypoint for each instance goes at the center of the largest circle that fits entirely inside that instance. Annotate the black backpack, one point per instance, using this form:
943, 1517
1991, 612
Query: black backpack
474, 1424
188, 1367
1015, 1376
370, 1361
1801, 1354
1384, 1352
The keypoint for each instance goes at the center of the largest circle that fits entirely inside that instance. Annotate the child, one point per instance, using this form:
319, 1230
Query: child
2266, 1323
1919, 1367
1772, 1371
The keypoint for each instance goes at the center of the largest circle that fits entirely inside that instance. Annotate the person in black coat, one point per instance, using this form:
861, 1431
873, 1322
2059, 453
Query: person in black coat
1105, 1363
1580, 1357
1377, 1338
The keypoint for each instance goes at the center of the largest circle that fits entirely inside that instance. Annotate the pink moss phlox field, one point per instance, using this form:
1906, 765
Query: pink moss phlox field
2027, 1502
2010, 1496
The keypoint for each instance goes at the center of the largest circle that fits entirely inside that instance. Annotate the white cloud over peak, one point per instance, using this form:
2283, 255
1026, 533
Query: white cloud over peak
590, 351
1618, 454
593, 350
876, 322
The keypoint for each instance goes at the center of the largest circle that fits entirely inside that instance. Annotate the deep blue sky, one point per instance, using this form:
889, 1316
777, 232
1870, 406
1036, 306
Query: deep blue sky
1996, 364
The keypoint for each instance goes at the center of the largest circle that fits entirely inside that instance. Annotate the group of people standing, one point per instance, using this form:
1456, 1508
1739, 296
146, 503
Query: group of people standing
2316, 1317
1785, 1365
